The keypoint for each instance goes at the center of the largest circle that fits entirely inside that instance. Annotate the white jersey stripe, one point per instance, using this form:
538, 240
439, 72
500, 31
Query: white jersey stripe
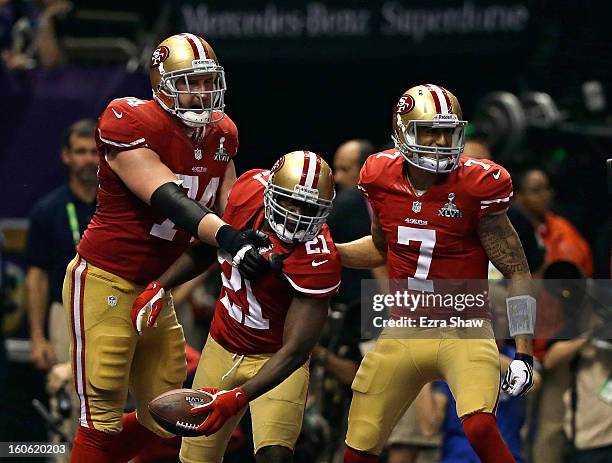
198, 44
78, 338
120, 145
312, 168
310, 291
499, 200
441, 97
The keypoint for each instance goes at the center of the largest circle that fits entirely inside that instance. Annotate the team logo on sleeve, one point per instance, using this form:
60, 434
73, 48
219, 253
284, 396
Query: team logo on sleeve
221, 154
159, 56
450, 209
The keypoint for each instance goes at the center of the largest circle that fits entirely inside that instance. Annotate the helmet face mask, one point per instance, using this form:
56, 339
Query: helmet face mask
210, 103
419, 109
294, 211
292, 221
178, 66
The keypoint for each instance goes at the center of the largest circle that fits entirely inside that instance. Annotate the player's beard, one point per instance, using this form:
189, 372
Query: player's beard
88, 175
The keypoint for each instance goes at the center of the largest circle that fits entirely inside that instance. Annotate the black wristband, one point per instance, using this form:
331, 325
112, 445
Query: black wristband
172, 202
225, 237
528, 359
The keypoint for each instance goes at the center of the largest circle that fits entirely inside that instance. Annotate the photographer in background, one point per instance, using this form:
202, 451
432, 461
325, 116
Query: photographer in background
584, 347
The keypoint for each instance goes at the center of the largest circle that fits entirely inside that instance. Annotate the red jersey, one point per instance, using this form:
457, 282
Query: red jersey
434, 235
126, 236
250, 316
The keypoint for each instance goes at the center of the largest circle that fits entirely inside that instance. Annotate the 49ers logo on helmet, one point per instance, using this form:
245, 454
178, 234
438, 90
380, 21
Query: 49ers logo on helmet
159, 56
404, 105
278, 165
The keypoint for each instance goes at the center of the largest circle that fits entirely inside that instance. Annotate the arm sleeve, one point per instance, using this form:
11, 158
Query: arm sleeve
319, 280
120, 127
366, 175
231, 138
492, 189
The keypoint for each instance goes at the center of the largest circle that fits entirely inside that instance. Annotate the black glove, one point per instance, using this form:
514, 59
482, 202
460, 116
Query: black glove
243, 247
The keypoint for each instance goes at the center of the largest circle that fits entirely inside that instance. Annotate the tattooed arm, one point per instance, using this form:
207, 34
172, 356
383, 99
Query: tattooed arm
505, 251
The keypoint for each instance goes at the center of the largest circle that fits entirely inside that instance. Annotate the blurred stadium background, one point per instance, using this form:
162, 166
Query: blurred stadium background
533, 77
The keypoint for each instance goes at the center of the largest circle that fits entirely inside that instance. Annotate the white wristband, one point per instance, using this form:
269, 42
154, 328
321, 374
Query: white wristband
521, 315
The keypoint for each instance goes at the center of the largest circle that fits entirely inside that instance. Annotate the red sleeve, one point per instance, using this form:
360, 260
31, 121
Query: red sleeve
230, 132
245, 197
120, 126
314, 275
368, 173
491, 188
373, 173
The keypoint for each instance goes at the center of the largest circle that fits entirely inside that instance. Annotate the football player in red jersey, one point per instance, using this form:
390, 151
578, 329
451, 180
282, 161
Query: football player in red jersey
263, 331
438, 215
165, 164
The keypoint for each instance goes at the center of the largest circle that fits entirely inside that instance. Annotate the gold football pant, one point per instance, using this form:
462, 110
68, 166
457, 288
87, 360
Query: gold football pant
390, 377
108, 357
276, 415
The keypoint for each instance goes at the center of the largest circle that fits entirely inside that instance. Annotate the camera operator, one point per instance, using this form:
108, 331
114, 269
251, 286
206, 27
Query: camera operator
585, 347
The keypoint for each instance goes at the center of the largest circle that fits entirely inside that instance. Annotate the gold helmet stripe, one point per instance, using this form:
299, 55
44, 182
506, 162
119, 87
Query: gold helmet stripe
441, 99
196, 45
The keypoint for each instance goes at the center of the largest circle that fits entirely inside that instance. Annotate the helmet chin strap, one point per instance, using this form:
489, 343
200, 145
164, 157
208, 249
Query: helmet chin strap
189, 118
432, 164
286, 236
193, 119
439, 166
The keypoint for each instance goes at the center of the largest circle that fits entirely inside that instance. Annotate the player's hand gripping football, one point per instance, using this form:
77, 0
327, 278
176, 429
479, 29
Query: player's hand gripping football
223, 406
519, 377
149, 301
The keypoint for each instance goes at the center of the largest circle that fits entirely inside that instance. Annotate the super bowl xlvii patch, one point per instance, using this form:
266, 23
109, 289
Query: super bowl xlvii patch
450, 209
221, 154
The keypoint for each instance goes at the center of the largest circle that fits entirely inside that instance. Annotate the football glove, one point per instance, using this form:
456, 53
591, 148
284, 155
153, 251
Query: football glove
151, 301
519, 377
223, 406
244, 246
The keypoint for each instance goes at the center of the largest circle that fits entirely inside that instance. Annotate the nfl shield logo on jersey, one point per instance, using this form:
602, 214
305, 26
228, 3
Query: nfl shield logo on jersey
416, 206
197, 153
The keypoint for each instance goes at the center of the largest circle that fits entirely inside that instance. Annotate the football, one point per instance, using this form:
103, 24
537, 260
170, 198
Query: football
171, 410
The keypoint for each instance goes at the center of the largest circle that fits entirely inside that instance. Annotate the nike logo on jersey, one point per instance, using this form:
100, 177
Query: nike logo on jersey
238, 394
498, 174
316, 264
119, 115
